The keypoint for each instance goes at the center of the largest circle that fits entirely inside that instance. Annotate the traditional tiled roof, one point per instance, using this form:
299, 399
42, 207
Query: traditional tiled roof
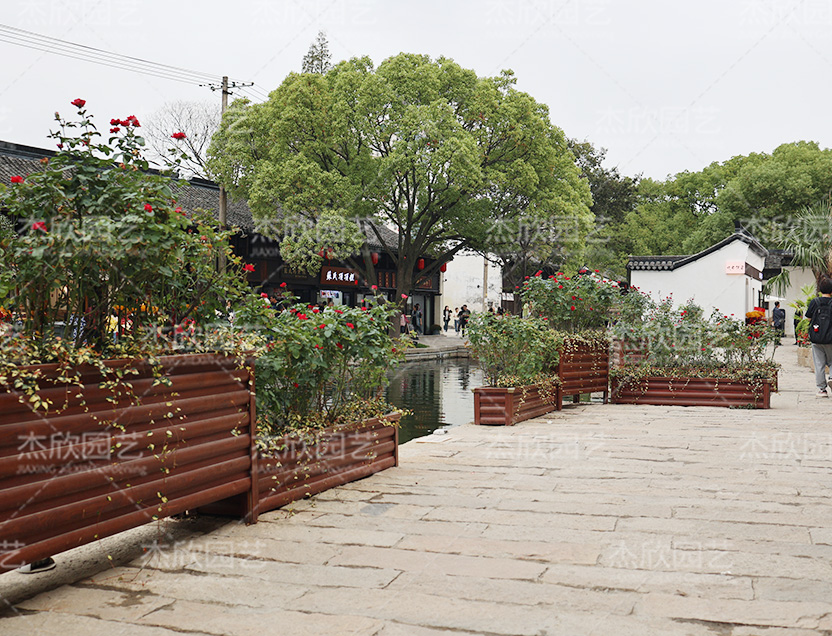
669, 263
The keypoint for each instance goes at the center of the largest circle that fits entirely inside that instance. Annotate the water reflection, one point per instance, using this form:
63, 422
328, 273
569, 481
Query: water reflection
437, 391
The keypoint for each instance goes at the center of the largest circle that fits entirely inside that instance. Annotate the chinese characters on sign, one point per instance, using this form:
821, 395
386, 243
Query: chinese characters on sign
339, 276
734, 267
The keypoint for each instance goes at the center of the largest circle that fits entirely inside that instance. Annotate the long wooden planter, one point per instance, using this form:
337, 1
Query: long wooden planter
692, 392
112, 461
584, 369
507, 406
309, 466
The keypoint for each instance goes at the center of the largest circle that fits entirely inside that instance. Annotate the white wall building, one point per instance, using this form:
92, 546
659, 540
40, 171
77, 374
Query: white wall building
798, 277
727, 276
471, 280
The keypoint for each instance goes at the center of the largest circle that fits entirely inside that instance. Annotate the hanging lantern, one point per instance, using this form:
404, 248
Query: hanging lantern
374, 257
443, 267
420, 263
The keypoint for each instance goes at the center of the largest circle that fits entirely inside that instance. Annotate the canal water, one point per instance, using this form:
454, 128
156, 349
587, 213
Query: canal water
437, 391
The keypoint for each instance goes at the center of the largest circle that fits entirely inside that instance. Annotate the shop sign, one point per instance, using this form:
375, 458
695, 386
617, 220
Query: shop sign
339, 276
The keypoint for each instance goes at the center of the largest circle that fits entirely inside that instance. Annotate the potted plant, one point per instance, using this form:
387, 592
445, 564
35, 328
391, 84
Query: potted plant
322, 420
694, 361
123, 399
519, 358
801, 328
582, 305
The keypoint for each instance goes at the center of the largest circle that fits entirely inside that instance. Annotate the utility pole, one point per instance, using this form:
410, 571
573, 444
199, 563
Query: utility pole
222, 215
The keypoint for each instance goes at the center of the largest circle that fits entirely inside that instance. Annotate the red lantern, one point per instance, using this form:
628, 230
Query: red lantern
374, 257
420, 263
443, 267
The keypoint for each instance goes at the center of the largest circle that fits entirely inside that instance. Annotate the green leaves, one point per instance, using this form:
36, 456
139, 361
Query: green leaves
318, 363
522, 349
422, 146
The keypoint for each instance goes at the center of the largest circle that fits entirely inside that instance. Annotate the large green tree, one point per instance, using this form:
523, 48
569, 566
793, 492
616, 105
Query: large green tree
447, 159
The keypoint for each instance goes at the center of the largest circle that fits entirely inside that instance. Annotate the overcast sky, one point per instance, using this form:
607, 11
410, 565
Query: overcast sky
665, 86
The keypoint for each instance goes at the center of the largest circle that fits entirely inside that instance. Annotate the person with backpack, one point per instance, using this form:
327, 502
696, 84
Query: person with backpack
819, 313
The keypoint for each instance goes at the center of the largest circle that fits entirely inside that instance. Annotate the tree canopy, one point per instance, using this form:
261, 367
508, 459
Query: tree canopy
764, 192
447, 159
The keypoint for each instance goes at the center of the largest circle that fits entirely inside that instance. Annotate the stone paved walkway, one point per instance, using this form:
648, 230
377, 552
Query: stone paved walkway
609, 520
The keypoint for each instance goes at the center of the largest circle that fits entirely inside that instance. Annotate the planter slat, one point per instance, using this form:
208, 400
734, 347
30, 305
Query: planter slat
281, 498
497, 406
104, 478
30, 552
663, 391
208, 455
584, 369
338, 457
208, 383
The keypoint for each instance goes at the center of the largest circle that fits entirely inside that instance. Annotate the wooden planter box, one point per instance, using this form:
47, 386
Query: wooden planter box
114, 461
584, 369
507, 406
692, 392
310, 466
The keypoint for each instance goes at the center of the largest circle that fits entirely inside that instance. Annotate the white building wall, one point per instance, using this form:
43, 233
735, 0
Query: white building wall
706, 282
464, 281
798, 277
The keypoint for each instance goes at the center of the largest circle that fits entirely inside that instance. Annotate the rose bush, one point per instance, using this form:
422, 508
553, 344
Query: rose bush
574, 303
325, 367
681, 342
102, 248
513, 351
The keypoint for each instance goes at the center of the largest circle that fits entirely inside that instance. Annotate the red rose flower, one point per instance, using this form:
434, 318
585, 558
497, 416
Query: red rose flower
78, 102
374, 287
178, 136
339, 345
321, 326
319, 346
17, 179
338, 311
248, 267
115, 122
303, 317
572, 308
114, 129
39, 225
148, 207
296, 384
283, 284
264, 295
404, 296
350, 325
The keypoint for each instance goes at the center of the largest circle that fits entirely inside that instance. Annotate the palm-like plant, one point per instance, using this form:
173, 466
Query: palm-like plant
810, 241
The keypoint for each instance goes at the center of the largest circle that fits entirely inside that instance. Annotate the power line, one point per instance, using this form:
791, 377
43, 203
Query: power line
72, 50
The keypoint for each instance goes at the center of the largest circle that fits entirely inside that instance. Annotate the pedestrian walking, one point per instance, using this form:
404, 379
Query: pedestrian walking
778, 319
819, 313
464, 315
446, 317
456, 319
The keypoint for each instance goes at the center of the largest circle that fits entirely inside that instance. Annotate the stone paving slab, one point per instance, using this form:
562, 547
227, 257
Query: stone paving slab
599, 519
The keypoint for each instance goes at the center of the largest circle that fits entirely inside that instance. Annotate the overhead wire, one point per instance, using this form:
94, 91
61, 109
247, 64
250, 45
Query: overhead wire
29, 39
